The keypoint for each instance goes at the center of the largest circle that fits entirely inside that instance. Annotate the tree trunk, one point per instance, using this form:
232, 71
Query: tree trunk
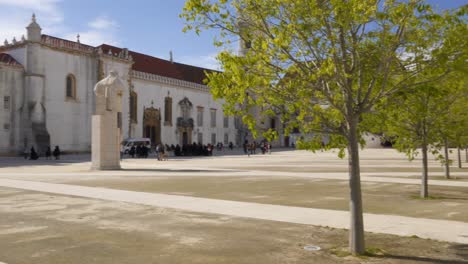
424, 185
356, 231
459, 157
446, 159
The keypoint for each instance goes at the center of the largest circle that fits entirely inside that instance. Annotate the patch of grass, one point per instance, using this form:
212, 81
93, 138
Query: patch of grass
370, 252
430, 197
374, 252
340, 252
414, 236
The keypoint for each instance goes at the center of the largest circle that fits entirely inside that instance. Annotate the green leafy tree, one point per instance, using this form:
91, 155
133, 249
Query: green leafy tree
321, 65
417, 120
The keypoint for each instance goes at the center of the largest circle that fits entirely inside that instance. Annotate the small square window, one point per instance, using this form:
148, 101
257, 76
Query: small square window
6, 126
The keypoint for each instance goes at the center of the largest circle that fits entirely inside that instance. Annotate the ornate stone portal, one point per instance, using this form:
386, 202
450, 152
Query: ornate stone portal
152, 124
106, 123
185, 122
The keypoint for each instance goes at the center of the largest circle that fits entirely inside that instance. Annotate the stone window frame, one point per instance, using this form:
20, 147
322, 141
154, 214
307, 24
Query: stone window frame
213, 119
200, 138
213, 139
168, 111
226, 121
133, 107
7, 103
70, 86
200, 112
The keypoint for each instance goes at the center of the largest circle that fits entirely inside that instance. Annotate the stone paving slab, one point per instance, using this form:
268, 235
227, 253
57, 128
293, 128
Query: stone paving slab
451, 231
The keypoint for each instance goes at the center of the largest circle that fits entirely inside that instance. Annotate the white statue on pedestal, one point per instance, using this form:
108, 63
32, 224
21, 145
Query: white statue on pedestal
105, 129
109, 94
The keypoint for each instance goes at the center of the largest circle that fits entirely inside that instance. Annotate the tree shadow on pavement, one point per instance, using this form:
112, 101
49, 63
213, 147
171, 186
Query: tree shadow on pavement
425, 259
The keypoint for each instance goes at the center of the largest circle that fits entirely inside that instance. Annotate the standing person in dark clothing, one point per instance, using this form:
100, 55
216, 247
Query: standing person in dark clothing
132, 152
177, 150
57, 152
33, 154
48, 153
246, 146
231, 146
137, 151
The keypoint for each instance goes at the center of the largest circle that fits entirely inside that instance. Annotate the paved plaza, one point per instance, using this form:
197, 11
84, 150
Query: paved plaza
228, 208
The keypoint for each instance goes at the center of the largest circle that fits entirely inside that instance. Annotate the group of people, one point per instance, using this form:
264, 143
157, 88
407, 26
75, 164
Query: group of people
251, 148
140, 151
33, 155
195, 149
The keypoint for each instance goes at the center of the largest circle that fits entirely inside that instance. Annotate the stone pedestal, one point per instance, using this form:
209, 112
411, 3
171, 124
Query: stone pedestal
105, 142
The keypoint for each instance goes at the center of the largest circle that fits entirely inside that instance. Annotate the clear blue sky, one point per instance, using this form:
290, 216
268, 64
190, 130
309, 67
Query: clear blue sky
148, 26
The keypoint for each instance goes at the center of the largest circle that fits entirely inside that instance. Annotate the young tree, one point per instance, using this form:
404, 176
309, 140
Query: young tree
417, 120
320, 65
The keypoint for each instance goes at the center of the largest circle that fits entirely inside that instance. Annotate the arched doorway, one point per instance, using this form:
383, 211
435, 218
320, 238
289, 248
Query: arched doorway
152, 125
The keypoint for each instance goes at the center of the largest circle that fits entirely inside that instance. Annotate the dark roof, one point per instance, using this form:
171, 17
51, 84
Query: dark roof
149, 64
7, 59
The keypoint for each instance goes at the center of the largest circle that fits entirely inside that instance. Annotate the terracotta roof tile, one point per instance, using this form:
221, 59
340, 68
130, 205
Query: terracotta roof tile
7, 59
149, 64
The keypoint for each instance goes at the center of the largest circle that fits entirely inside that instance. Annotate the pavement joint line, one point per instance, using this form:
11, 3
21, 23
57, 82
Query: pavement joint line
452, 231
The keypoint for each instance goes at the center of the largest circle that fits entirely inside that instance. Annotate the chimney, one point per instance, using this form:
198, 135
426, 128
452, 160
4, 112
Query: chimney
170, 57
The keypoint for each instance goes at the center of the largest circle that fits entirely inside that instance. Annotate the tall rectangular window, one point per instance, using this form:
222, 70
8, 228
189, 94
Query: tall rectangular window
200, 116
273, 123
226, 139
237, 122
213, 117
6, 103
200, 138
168, 111
213, 139
133, 106
226, 122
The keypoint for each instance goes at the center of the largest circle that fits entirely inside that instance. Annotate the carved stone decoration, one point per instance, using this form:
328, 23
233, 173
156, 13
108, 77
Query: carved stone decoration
185, 122
152, 124
185, 106
106, 134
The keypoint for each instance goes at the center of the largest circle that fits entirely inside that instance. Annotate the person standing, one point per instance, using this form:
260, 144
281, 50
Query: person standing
246, 146
33, 154
25, 153
48, 153
57, 153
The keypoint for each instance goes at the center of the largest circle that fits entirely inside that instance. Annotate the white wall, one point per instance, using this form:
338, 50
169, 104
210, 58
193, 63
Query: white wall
11, 84
69, 121
149, 91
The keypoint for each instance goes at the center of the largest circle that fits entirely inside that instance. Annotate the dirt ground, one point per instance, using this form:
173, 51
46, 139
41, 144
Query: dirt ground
49, 229
40, 228
449, 203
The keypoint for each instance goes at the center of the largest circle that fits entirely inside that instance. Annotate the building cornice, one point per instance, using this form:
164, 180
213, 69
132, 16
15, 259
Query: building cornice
166, 80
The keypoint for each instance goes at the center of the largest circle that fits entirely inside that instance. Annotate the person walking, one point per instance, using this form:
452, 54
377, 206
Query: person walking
158, 151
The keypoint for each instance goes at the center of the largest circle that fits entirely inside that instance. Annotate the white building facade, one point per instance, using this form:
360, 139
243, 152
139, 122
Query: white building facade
46, 87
